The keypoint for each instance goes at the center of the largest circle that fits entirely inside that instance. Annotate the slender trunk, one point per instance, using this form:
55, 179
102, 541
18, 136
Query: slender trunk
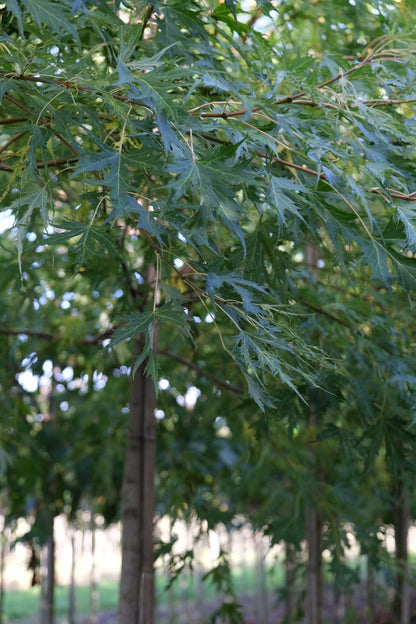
313, 598
290, 579
47, 615
371, 592
72, 587
262, 598
3, 546
148, 500
401, 604
337, 601
138, 502
313, 603
137, 582
93, 581
47, 611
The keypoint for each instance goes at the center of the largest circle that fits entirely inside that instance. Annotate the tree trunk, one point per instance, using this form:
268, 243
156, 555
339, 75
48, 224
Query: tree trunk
47, 610
47, 615
401, 603
93, 578
138, 502
72, 587
371, 592
313, 602
262, 597
313, 598
3, 546
290, 579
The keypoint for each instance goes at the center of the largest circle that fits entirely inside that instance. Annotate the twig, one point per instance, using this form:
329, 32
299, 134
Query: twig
12, 120
12, 140
65, 142
86, 340
324, 312
18, 104
56, 162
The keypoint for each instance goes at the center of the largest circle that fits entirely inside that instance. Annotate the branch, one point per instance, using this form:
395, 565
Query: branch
12, 120
292, 165
65, 142
324, 312
18, 104
368, 61
12, 139
379, 102
56, 162
41, 164
54, 337
4, 331
201, 371
68, 84
94, 340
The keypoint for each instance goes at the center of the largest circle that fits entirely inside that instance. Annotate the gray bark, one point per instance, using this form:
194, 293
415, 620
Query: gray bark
401, 605
313, 598
371, 592
3, 546
313, 602
47, 612
137, 583
72, 587
93, 578
290, 582
262, 607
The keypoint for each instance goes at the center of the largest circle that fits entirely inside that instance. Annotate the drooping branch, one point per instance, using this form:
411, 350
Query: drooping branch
289, 99
67, 84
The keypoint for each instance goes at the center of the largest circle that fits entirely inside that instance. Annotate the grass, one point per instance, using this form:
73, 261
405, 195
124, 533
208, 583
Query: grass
23, 604
20, 604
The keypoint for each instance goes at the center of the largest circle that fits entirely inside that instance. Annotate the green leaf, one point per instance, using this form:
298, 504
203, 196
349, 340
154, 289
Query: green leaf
13, 7
384, 258
150, 63
376, 256
278, 196
90, 239
30, 202
44, 11
230, 4
407, 216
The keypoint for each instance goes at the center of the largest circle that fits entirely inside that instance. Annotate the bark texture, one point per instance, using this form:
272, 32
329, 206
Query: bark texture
3, 546
47, 615
138, 503
72, 587
93, 578
313, 602
313, 597
290, 580
401, 604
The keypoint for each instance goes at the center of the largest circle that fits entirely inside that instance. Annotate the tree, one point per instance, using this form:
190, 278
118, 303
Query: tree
181, 153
